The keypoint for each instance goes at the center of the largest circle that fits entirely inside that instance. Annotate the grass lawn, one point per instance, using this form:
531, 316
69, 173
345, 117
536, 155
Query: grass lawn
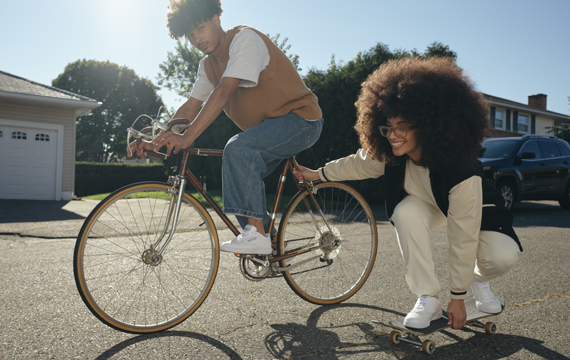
216, 196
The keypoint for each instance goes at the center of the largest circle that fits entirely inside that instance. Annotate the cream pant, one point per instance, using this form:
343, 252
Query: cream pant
414, 219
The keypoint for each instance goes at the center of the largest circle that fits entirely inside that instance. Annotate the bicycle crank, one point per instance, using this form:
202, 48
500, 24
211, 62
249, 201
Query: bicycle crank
255, 268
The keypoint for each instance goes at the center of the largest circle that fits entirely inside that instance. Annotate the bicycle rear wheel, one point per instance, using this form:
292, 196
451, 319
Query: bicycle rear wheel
127, 284
348, 243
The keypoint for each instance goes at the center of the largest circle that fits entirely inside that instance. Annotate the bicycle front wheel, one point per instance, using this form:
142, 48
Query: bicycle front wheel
124, 280
343, 239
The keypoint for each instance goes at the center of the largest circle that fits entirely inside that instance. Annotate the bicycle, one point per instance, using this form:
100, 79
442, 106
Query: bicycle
147, 255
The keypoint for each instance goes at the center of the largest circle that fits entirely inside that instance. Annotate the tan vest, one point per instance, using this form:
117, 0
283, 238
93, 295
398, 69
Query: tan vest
279, 91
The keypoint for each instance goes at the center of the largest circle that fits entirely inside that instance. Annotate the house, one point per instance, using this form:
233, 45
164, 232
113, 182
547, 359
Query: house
37, 139
509, 118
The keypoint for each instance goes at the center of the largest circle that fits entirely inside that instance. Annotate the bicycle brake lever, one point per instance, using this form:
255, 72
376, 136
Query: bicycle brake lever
157, 125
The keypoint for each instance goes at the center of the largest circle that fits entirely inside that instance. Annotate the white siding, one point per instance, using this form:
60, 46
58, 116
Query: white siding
542, 123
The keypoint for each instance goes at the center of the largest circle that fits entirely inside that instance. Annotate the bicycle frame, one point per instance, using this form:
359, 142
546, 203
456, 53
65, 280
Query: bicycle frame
185, 175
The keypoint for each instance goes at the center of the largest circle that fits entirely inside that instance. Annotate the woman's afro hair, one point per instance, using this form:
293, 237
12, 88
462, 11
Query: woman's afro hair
435, 97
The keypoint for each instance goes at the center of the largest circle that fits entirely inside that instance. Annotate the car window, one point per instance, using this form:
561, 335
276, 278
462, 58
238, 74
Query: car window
564, 150
499, 149
549, 149
531, 147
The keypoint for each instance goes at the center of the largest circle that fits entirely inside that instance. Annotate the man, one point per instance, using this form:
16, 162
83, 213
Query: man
245, 74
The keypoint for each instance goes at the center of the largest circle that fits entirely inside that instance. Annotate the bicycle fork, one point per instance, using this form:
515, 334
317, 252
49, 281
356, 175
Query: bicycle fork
152, 256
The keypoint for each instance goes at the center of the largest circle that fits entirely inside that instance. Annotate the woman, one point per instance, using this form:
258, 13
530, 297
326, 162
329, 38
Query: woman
420, 124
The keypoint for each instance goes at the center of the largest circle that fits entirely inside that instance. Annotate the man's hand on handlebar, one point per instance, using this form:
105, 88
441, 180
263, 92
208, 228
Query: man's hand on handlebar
140, 147
172, 141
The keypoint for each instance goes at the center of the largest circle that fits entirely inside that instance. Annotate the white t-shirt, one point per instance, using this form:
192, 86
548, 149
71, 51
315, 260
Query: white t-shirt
248, 57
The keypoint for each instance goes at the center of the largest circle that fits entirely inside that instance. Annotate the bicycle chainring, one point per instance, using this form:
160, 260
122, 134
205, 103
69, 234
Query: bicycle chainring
254, 271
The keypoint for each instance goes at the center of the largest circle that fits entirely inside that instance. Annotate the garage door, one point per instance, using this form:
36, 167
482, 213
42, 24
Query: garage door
28, 159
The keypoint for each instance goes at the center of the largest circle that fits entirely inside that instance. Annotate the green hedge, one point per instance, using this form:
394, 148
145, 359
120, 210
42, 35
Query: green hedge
97, 178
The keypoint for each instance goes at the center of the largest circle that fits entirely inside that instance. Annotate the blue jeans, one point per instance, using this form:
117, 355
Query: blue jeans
253, 154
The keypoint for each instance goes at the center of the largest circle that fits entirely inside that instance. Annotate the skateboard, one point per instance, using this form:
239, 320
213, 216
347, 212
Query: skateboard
412, 336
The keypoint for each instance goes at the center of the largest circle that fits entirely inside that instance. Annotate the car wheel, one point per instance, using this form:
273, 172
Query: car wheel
565, 200
508, 193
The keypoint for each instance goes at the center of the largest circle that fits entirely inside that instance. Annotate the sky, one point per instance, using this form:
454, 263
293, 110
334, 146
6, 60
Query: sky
509, 48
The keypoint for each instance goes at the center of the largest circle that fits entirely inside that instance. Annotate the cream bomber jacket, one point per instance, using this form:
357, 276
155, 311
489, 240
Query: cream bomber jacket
463, 217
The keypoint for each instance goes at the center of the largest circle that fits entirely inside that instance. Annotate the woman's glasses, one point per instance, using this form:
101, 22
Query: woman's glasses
399, 131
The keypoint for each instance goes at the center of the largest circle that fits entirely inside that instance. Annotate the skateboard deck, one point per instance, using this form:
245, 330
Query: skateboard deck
411, 335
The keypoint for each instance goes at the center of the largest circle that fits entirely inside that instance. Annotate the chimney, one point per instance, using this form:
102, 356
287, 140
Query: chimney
537, 101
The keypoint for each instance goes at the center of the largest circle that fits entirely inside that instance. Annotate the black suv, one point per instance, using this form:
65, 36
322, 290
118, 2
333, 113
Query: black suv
531, 167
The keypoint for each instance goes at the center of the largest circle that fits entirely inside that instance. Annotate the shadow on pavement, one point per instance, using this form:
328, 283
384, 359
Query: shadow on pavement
170, 344
294, 340
531, 213
20, 211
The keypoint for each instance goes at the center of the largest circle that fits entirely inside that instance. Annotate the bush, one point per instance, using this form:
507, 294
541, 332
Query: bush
97, 178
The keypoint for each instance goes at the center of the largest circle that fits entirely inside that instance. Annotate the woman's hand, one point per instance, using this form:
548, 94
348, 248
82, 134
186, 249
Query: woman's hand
456, 313
304, 173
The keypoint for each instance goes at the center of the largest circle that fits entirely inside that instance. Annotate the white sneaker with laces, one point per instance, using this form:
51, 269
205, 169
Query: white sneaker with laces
485, 299
248, 242
427, 308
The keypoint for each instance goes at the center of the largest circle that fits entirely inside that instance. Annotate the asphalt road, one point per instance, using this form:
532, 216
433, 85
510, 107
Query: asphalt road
42, 315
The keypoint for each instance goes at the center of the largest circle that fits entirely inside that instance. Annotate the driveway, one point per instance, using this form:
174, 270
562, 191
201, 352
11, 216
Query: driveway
43, 219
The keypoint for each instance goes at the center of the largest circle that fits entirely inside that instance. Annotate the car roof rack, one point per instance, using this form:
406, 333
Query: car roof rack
539, 136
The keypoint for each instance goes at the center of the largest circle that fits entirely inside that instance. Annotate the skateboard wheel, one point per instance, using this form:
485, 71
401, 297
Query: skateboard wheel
428, 347
395, 336
491, 328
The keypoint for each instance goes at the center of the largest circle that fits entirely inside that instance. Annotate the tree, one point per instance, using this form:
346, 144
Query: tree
285, 47
180, 70
436, 48
562, 131
101, 134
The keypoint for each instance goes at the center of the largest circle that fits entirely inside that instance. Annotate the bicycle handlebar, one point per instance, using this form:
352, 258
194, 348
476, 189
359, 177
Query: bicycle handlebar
157, 128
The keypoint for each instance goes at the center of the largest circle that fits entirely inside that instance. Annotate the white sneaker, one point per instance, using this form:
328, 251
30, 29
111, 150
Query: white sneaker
485, 299
248, 242
427, 308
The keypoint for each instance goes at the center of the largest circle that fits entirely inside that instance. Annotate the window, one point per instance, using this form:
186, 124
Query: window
19, 135
564, 150
499, 148
530, 147
42, 137
549, 149
499, 119
523, 123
